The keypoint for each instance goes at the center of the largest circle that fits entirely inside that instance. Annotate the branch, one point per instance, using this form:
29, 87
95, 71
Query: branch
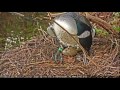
101, 22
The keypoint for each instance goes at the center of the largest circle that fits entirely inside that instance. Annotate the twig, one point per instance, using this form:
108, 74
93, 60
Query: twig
16, 13
101, 22
15, 66
116, 50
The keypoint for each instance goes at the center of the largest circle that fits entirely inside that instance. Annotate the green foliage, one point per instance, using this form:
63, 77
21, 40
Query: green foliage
101, 32
16, 29
117, 28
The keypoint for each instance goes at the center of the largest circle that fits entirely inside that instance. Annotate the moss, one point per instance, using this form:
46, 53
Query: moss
101, 32
117, 28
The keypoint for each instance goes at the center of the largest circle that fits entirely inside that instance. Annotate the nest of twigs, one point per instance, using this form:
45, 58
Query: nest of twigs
34, 59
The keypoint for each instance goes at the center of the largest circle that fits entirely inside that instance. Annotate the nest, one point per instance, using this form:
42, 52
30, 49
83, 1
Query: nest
34, 59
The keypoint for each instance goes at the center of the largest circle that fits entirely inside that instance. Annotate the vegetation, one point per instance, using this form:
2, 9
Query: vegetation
16, 29
26, 50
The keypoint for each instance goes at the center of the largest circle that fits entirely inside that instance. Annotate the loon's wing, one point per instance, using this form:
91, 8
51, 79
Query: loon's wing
67, 22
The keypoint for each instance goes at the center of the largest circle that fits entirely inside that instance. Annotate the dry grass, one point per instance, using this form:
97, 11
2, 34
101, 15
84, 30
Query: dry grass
34, 59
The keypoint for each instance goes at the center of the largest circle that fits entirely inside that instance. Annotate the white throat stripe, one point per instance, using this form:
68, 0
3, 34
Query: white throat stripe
84, 34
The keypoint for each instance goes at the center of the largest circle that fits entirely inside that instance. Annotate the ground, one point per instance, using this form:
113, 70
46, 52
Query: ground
34, 59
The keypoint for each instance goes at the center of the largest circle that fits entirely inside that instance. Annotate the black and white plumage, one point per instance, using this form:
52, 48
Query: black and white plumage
77, 25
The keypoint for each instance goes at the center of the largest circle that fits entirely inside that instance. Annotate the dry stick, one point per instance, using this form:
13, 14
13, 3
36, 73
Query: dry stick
86, 56
15, 66
117, 51
101, 22
53, 15
16, 13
